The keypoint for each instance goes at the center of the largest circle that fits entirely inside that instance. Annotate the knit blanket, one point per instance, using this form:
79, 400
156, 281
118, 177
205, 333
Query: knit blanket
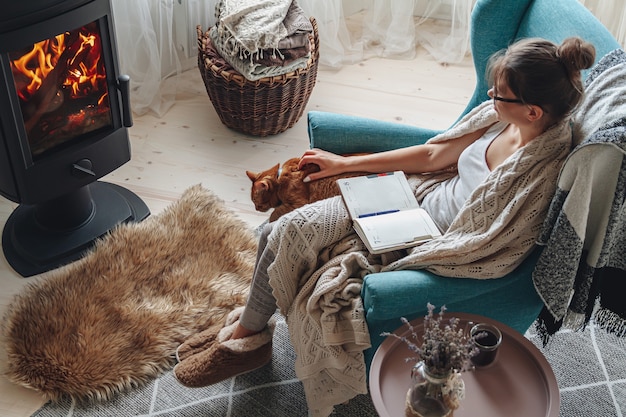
247, 29
320, 262
584, 259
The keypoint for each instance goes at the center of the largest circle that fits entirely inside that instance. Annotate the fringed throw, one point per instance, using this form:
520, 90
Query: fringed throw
249, 34
584, 261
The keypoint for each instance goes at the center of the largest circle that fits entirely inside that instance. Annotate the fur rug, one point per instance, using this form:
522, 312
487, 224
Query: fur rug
112, 320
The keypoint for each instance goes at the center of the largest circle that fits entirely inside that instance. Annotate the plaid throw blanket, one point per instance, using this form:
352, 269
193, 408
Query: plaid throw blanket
584, 259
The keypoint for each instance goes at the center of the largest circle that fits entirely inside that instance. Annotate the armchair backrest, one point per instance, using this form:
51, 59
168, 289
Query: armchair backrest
496, 24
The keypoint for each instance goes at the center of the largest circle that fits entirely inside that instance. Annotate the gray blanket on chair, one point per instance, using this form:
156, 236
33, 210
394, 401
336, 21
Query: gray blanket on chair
584, 259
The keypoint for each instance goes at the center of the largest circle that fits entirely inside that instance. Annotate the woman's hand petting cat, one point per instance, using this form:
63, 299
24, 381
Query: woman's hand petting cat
329, 163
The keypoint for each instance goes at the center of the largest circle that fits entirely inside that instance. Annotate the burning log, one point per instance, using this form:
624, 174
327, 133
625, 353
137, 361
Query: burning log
48, 96
61, 83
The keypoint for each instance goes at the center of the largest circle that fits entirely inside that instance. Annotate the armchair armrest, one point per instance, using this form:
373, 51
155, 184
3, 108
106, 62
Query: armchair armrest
387, 296
343, 134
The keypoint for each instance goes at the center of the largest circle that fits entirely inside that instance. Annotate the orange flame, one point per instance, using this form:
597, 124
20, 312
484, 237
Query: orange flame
85, 74
36, 64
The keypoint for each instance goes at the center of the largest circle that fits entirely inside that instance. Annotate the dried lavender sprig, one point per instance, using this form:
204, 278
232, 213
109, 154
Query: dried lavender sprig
445, 347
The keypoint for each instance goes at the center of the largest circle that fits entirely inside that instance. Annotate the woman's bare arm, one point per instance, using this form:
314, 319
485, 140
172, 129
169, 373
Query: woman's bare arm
428, 157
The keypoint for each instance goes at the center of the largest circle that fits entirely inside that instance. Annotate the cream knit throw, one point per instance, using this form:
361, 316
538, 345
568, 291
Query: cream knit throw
248, 27
320, 262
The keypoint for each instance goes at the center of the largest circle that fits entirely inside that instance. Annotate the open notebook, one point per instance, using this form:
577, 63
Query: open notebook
385, 213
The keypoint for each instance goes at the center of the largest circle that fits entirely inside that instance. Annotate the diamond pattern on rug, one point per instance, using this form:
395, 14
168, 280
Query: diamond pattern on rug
590, 367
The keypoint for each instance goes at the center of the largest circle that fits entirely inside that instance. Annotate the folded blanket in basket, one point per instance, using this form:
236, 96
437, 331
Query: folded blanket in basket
249, 34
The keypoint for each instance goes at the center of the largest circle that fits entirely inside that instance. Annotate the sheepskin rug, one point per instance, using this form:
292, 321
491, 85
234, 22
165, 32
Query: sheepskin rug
112, 320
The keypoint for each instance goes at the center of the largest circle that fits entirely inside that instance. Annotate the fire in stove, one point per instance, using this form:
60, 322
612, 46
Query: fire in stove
62, 88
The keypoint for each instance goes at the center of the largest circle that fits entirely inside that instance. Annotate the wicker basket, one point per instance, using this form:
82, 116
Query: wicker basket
264, 107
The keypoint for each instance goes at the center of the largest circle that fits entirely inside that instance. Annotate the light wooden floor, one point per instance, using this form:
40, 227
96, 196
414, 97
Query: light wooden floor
189, 145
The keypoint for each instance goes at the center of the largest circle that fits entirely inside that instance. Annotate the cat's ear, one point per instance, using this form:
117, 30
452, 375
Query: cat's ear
275, 168
251, 175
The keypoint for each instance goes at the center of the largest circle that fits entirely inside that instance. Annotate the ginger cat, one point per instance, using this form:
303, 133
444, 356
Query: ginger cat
283, 190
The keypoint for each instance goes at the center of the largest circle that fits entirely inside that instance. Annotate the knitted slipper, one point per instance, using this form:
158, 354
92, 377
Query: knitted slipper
227, 358
201, 341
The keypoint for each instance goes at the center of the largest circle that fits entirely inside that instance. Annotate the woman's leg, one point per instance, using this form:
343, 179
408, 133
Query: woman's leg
261, 304
301, 234
245, 343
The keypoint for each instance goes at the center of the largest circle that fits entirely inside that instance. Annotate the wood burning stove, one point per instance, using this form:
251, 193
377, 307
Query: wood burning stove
64, 113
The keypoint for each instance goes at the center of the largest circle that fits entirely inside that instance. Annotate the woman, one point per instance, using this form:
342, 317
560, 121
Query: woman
486, 182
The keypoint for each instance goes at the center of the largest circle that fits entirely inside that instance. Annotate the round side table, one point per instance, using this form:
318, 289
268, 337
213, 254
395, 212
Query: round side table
519, 383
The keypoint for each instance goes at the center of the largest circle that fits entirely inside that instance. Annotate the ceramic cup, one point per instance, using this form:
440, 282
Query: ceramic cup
487, 345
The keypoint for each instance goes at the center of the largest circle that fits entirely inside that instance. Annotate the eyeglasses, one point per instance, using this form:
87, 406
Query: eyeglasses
495, 97
507, 100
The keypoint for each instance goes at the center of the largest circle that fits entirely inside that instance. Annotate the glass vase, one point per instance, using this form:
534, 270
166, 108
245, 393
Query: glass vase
433, 395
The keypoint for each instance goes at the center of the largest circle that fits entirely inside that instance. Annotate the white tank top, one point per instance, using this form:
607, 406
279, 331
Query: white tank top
444, 202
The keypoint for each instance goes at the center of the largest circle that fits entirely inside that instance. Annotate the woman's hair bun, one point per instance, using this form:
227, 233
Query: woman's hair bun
576, 54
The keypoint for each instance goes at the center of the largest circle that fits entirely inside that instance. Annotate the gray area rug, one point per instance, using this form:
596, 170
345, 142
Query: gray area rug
590, 367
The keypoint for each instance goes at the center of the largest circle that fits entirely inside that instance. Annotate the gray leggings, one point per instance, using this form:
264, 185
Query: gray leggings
261, 304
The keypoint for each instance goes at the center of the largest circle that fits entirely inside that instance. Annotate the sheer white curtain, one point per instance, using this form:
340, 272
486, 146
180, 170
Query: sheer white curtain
144, 32
390, 28
156, 38
152, 36
612, 14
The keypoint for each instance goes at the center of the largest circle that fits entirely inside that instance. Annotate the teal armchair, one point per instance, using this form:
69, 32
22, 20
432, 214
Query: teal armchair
511, 299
